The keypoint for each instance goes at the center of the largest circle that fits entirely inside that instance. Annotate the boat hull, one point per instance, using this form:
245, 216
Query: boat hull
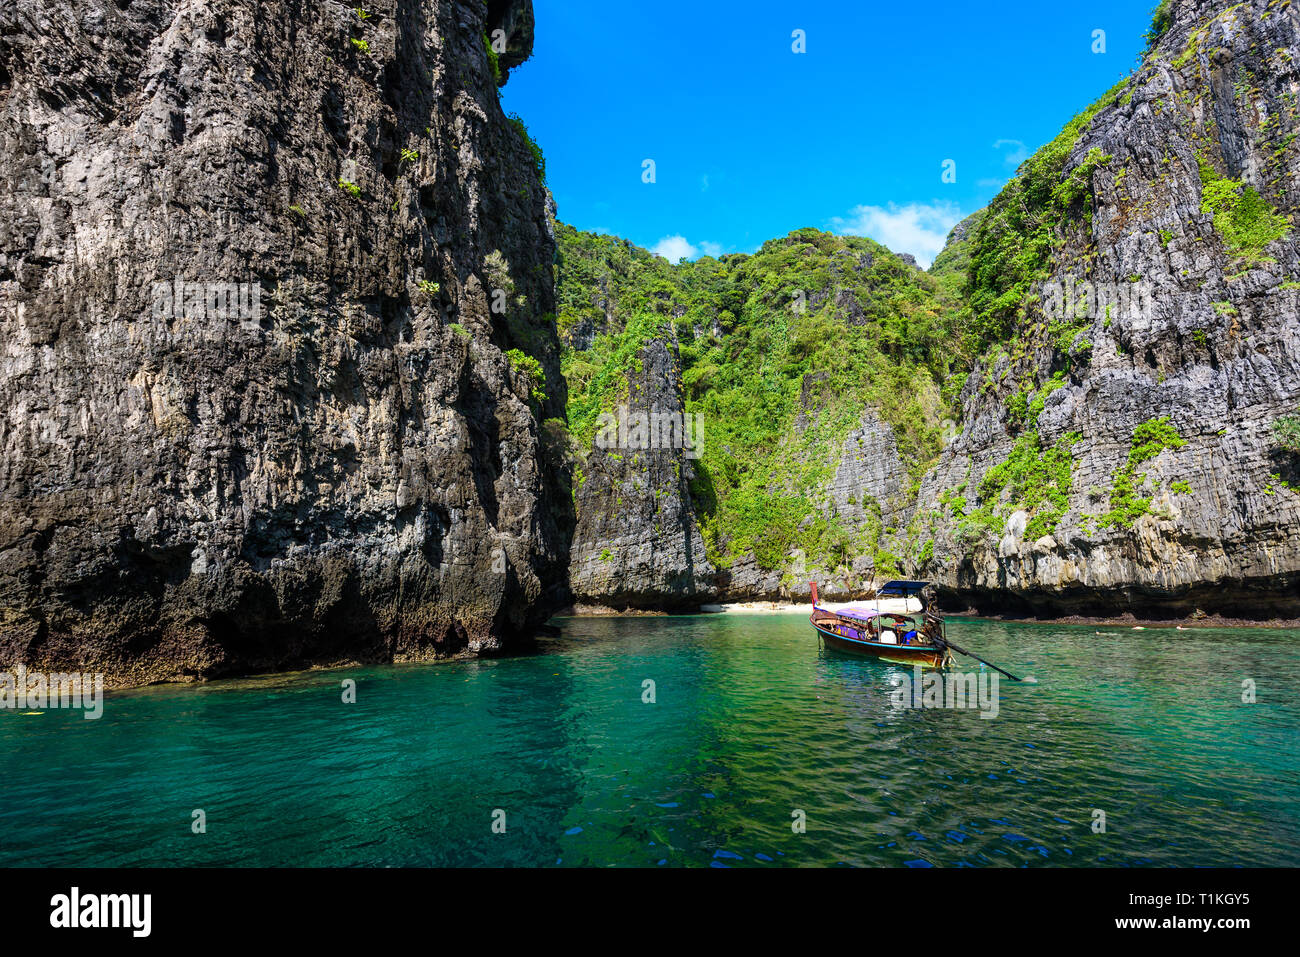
930, 656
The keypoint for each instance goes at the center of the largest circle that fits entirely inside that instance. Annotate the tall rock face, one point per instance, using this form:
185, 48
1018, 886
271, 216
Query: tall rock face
863, 492
1090, 405
1118, 448
810, 379
638, 542
261, 264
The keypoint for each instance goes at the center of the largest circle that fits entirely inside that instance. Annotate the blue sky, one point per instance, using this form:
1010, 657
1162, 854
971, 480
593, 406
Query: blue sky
751, 140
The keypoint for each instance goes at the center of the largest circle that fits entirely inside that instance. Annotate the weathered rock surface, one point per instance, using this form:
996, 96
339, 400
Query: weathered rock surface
352, 472
638, 543
867, 492
1219, 353
871, 476
1213, 519
649, 534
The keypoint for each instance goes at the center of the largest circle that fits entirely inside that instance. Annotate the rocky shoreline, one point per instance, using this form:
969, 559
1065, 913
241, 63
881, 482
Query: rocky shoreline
1127, 620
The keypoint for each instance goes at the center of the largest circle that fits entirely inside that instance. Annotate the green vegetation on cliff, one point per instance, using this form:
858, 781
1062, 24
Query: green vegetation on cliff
1033, 478
1162, 18
782, 353
950, 266
539, 159
1286, 433
1127, 504
1011, 251
1242, 217
532, 370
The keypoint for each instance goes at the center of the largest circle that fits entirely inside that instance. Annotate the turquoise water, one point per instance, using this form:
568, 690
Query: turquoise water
752, 722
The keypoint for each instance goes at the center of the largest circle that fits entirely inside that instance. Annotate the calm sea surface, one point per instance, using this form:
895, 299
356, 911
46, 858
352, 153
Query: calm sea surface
751, 723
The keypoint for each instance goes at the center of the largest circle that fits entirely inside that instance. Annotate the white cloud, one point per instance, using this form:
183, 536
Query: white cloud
916, 228
1017, 155
674, 248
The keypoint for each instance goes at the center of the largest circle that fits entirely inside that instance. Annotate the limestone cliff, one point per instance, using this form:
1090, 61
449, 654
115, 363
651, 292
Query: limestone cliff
1079, 409
1120, 454
638, 542
812, 371
261, 264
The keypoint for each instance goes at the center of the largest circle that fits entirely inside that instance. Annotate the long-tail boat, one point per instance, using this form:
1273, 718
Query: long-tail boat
883, 631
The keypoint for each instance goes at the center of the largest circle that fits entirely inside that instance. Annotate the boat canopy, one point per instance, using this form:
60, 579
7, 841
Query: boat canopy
903, 589
861, 614
865, 614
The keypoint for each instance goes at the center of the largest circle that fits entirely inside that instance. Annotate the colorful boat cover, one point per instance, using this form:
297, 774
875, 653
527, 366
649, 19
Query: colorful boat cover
857, 611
